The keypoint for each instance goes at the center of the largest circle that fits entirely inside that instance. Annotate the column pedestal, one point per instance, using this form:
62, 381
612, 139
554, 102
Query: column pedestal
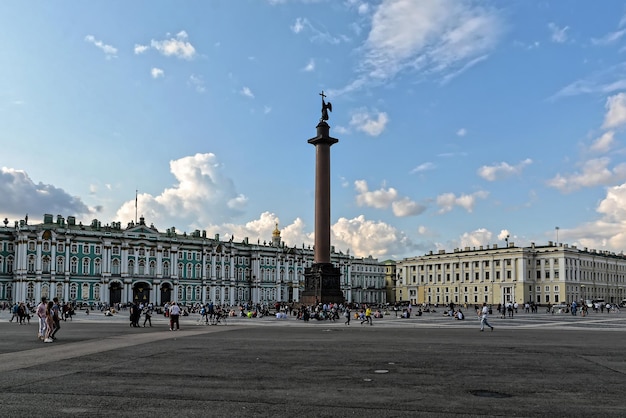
322, 285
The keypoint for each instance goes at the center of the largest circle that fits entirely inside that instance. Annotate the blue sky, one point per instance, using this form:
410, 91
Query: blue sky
459, 122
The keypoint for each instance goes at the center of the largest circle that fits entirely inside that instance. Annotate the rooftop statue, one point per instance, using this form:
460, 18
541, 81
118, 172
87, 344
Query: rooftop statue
325, 107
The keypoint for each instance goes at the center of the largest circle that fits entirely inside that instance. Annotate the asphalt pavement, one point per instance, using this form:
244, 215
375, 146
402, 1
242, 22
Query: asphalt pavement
432, 366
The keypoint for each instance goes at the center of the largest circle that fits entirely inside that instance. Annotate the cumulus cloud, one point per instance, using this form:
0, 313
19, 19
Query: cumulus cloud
379, 199
298, 25
372, 123
608, 232
594, 172
476, 238
109, 51
616, 111
140, 49
202, 195
426, 38
557, 34
461, 132
604, 143
502, 170
177, 46
365, 237
448, 201
157, 72
20, 195
406, 207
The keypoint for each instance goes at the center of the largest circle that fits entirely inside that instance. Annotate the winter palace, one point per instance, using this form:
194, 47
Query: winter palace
91, 264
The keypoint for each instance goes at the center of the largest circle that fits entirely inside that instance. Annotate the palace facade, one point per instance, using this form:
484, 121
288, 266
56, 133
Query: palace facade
110, 264
550, 274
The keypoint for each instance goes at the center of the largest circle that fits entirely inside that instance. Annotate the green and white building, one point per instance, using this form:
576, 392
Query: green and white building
110, 264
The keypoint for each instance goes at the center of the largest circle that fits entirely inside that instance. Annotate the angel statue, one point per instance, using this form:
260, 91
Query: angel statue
325, 107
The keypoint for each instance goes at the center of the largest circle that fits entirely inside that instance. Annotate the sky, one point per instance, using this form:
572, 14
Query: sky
460, 123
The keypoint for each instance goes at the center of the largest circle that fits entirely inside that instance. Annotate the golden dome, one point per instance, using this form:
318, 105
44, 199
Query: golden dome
276, 232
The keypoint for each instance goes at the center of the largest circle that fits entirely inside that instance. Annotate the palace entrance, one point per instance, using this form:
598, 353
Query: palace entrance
166, 293
141, 293
115, 293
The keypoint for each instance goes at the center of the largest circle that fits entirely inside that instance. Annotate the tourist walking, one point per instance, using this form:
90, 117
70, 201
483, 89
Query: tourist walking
174, 315
483, 318
49, 323
347, 315
56, 318
148, 317
41, 315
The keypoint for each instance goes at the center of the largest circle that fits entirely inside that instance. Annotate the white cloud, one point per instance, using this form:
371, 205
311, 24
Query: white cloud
372, 123
425, 37
406, 207
157, 72
177, 46
108, 50
609, 38
461, 132
298, 25
140, 49
605, 81
502, 170
448, 201
558, 35
247, 92
201, 196
476, 238
423, 167
604, 143
310, 66
20, 195
317, 35
616, 111
380, 199
594, 172
366, 237
197, 82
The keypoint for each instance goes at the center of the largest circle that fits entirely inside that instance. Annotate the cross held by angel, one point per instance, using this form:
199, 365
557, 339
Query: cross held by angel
325, 107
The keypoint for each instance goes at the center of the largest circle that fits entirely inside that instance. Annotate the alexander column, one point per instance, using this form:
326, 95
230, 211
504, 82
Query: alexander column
322, 279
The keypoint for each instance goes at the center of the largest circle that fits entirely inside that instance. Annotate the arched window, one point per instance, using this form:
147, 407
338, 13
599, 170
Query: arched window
188, 294
96, 291
74, 265
142, 267
152, 268
131, 267
46, 246
59, 290
85, 266
30, 291
226, 272
45, 264
198, 293
166, 269
180, 293
73, 291
115, 266
180, 270
218, 272
97, 266
189, 271
60, 265
85, 292
31, 263
198, 271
